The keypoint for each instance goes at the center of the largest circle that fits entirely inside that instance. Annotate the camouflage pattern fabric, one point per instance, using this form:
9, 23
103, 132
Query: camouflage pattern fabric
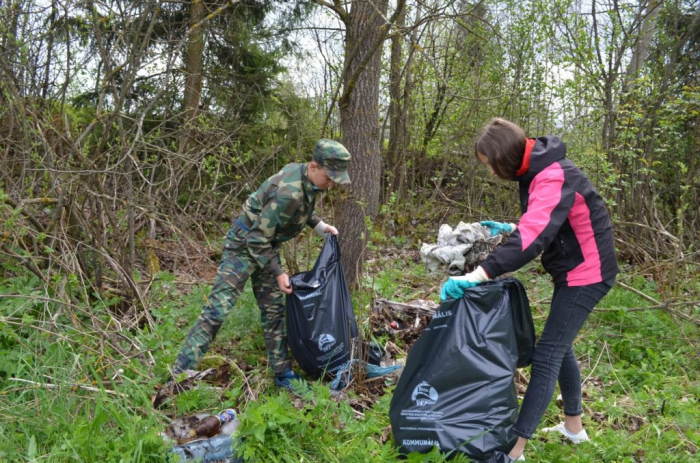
276, 212
237, 265
335, 160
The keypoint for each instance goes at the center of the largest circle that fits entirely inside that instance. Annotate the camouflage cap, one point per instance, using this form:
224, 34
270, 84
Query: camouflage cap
334, 158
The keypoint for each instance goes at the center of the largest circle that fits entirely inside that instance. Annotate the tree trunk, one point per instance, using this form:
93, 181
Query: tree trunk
409, 106
194, 66
397, 114
49, 51
641, 49
359, 123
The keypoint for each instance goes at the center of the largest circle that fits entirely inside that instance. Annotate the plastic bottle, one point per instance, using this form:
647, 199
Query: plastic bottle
209, 426
218, 449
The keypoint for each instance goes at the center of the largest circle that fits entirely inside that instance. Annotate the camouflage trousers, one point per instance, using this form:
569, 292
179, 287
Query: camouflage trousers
237, 265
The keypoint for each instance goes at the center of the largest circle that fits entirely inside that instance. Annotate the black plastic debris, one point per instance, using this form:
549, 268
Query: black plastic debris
457, 390
321, 324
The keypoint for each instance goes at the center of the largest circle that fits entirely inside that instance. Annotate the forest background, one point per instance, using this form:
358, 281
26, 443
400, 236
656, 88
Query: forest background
132, 131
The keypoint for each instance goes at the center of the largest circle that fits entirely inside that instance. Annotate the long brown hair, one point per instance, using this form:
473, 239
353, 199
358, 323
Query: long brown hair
503, 144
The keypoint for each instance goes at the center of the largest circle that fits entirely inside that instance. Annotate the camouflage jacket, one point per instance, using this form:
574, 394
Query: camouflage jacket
277, 212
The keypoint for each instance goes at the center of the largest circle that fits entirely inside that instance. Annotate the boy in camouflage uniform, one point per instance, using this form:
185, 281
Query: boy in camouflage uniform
275, 213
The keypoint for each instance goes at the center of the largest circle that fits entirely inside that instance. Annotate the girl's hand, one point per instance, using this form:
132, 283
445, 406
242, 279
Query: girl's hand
498, 227
455, 286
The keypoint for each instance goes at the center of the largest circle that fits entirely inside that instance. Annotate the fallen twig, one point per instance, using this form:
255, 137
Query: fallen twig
605, 346
657, 230
80, 386
638, 292
429, 309
521, 376
252, 395
665, 306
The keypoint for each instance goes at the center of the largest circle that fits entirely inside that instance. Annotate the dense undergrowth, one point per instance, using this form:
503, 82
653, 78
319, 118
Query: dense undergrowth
76, 384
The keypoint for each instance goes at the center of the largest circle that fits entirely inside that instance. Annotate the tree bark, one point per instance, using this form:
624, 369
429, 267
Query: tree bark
359, 124
641, 49
396, 162
409, 105
194, 67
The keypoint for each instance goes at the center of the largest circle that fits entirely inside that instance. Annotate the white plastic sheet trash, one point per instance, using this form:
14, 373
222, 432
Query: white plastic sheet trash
459, 247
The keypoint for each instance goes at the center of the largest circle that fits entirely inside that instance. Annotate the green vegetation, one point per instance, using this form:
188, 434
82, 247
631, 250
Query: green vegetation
131, 132
639, 367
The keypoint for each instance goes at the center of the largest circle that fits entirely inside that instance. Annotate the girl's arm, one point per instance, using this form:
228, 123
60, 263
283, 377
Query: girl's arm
549, 204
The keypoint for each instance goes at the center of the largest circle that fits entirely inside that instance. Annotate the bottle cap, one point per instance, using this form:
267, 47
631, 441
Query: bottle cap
227, 416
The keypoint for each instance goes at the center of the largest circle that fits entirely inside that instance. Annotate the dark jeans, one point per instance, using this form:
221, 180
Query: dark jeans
554, 357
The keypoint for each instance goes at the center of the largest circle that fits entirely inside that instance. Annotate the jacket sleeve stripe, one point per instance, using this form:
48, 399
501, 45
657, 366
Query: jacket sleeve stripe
545, 196
589, 271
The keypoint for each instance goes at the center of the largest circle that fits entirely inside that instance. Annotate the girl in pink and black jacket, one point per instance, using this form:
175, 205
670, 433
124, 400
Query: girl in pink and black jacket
564, 219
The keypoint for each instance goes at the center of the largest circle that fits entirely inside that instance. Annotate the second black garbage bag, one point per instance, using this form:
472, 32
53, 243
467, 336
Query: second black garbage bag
321, 324
457, 390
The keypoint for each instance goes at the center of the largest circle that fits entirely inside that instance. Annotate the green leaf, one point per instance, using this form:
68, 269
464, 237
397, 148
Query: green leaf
32, 448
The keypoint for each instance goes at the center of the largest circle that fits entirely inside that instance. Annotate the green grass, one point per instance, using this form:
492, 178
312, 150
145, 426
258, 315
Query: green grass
641, 383
640, 369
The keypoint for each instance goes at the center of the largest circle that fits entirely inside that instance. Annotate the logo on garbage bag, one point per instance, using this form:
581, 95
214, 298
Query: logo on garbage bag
325, 342
420, 443
424, 394
438, 314
310, 295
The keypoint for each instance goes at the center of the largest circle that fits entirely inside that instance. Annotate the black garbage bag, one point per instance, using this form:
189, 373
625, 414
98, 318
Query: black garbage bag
457, 390
321, 324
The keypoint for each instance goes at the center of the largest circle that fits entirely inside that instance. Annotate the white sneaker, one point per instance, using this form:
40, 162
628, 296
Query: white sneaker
506, 458
575, 438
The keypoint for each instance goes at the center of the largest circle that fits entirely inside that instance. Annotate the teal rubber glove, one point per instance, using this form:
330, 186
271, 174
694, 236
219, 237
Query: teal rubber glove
455, 286
454, 289
498, 227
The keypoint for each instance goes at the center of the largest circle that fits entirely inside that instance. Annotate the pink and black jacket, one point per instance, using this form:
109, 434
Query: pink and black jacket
564, 218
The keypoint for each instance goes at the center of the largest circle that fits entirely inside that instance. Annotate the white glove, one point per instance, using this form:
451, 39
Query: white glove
322, 229
477, 276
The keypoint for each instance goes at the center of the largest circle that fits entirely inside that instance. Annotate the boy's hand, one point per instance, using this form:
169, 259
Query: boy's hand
284, 284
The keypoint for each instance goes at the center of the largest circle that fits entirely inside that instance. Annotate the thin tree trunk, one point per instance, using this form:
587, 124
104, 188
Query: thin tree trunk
409, 106
49, 51
397, 113
194, 66
641, 50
